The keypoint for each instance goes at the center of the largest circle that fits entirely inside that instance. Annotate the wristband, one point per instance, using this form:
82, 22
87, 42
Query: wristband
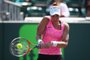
39, 41
54, 43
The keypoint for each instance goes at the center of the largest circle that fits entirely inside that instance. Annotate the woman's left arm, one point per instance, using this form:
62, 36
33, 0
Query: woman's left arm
65, 37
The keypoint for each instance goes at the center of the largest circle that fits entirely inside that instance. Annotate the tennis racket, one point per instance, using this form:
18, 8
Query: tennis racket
20, 46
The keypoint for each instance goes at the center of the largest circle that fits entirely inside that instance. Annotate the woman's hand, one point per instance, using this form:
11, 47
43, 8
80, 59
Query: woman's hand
47, 45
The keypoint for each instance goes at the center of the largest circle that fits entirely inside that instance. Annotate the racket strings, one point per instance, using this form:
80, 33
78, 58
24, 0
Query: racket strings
27, 46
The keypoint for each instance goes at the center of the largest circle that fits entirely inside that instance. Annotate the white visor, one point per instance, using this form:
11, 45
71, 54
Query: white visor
54, 10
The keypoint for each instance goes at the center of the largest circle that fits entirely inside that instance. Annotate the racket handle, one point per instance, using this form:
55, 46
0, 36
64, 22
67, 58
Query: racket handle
37, 46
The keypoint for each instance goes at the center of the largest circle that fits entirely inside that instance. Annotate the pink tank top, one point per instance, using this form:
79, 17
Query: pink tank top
52, 34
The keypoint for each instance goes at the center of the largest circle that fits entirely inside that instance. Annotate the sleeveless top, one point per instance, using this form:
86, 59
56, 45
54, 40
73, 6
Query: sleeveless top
52, 34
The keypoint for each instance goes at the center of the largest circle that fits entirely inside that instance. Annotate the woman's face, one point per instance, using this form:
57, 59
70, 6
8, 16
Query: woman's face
55, 18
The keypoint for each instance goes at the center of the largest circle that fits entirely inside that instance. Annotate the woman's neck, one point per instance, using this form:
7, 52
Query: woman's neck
56, 22
57, 25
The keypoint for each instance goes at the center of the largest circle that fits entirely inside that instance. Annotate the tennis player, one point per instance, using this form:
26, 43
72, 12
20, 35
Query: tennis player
52, 35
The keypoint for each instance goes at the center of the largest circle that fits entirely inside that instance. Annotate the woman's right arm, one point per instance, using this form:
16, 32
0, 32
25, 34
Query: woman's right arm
41, 27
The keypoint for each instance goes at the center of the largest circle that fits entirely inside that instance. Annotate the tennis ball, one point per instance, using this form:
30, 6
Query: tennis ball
19, 45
